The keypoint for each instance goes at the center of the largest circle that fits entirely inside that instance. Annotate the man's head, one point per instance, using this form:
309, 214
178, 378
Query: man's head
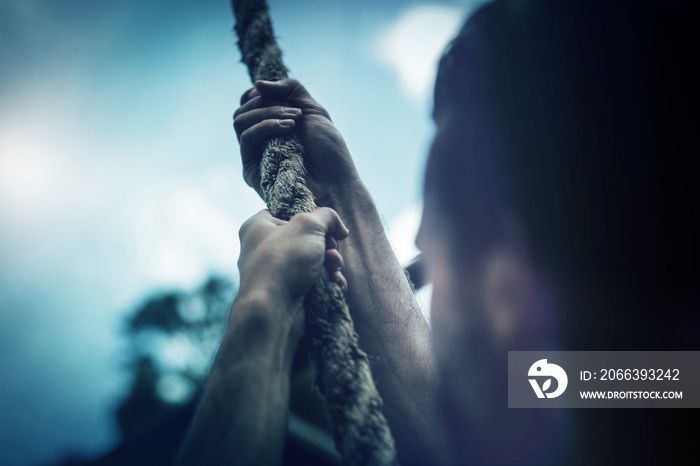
557, 193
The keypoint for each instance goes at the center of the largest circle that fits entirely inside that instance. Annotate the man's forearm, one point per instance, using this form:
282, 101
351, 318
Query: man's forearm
392, 329
243, 413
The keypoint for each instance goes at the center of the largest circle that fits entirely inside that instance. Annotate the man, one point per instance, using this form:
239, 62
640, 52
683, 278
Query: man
557, 198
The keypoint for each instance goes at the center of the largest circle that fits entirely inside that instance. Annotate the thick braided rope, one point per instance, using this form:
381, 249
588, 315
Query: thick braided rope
343, 376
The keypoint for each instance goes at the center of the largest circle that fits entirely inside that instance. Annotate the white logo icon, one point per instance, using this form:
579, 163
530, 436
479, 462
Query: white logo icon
542, 369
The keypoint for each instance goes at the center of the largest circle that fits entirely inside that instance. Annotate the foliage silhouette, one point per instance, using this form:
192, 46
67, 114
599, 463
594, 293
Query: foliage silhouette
171, 338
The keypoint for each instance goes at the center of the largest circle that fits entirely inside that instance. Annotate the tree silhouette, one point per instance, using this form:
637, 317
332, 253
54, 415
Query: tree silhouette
171, 339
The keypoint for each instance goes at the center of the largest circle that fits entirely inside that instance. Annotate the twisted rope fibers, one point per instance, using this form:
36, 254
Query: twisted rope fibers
343, 376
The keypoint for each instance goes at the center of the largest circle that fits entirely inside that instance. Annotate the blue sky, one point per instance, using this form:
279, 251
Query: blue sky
120, 173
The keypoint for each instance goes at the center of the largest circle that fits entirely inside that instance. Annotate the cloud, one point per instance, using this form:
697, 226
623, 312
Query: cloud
181, 234
92, 219
38, 166
411, 46
402, 233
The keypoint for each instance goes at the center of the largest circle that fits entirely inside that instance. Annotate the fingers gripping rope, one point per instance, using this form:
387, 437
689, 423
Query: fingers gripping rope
359, 428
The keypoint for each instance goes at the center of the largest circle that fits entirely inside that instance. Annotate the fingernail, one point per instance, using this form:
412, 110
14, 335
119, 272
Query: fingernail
286, 123
290, 110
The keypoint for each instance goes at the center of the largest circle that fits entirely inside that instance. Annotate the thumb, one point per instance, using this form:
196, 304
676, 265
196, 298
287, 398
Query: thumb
324, 221
332, 223
279, 90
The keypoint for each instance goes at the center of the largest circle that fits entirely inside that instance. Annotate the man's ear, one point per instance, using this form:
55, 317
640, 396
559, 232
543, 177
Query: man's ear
508, 294
514, 295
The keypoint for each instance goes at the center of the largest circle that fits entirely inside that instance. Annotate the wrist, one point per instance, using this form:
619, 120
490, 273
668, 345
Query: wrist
264, 324
268, 293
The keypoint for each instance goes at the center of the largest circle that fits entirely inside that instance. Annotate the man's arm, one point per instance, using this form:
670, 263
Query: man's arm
242, 417
243, 413
387, 318
392, 331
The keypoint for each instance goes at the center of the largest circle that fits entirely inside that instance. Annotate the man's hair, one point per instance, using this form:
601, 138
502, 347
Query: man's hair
578, 117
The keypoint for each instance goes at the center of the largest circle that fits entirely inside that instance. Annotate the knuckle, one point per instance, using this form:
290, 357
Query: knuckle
254, 223
303, 217
238, 125
243, 230
306, 221
246, 138
246, 96
243, 138
328, 212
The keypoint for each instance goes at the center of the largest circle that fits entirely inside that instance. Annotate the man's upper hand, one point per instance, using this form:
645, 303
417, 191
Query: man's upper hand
285, 107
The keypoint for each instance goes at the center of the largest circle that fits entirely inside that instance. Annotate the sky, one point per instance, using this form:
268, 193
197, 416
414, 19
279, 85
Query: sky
120, 172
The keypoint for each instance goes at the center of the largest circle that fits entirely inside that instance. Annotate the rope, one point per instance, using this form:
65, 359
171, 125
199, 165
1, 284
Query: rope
343, 376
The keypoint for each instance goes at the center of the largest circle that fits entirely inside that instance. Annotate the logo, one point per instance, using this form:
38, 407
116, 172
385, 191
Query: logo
543, 369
